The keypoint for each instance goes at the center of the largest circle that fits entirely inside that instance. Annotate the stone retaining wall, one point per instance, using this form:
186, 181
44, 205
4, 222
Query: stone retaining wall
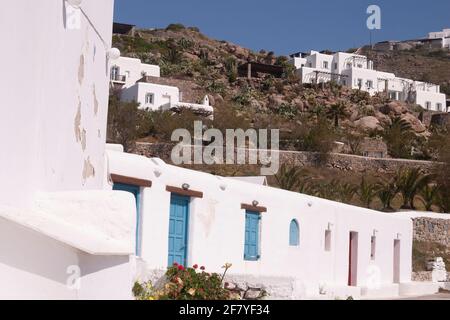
432, 230
343, 162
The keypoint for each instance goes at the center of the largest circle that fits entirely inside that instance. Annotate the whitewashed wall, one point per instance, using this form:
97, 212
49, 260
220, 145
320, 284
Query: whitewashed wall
132, 68
162, 95
216, 228
58, 120
54, 87
34, 266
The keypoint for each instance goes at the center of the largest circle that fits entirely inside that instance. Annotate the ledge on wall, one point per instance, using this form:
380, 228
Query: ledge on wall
95, 222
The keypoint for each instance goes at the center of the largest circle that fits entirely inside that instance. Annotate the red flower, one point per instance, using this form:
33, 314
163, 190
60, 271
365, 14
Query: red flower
180, 267
195, 266
175, 264
202, 268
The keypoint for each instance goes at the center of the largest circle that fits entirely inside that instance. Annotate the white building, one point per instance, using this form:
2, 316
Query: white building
59, 227
127, 71
357, 72
309, 247
74, 216
444, 35
135, 81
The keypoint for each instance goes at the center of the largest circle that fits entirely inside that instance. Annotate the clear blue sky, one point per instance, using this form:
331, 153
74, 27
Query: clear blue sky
287, 26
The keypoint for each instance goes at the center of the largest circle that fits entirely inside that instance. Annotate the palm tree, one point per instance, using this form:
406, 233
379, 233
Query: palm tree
289, 177
337, 111
429, 196
346, 192
409, 182
443, 199
398, 136
366, 192
386, 193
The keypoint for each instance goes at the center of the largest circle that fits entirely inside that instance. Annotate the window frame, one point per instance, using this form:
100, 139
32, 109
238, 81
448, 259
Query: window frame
152, 100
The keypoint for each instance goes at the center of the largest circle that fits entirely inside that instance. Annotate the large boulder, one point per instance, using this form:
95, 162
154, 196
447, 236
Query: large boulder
276, 100
368, 123
395, 108
415, 123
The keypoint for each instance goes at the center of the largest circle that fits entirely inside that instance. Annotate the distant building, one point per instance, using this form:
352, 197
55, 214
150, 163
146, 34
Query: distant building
374, 148
137, 82
443, 36
357, 72
254, 69
434, 40
123, 28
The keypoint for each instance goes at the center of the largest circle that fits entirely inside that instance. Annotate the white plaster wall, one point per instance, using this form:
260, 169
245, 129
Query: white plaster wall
53, 132
106, 277
163, 95
317, 60
423, 96
365, 75
133, 69
217, 223
34, 266
298, 62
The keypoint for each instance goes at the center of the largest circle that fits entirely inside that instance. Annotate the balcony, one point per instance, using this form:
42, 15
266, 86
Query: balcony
118, 78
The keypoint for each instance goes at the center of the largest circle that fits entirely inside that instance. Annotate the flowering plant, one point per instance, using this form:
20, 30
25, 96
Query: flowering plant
187, 283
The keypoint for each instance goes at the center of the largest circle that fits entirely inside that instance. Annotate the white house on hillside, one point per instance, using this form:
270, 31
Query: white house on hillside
127, 71
444, 35
135, 80
357, 72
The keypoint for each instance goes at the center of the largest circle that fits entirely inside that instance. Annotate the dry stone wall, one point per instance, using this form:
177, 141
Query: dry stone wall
343, 162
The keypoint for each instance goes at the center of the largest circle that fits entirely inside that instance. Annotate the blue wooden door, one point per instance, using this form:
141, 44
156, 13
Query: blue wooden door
178, 229
136, 191
251, 249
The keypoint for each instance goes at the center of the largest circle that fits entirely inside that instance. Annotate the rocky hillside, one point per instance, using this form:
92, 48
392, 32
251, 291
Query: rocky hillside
210, 66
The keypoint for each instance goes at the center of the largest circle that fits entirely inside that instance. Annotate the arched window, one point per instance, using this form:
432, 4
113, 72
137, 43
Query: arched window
294, 233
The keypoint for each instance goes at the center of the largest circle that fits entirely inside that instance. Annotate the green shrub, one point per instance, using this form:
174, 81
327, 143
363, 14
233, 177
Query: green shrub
175, 27
191, 283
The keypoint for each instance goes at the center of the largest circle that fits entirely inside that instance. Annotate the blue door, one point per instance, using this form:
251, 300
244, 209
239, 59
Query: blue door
136, 191
251, 249
178, 229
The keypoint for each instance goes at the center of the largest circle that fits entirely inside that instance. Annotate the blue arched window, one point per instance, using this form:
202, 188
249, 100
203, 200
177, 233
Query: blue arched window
294, 233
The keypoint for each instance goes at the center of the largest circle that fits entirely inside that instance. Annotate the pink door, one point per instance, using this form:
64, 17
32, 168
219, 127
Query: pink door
396, 261
353, 259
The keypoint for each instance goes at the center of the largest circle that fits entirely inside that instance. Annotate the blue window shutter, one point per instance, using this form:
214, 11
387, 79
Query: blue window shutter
251, 246
294, 233
136, 191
